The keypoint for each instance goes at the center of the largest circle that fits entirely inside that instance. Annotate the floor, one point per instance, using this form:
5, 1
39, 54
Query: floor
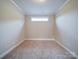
39, 49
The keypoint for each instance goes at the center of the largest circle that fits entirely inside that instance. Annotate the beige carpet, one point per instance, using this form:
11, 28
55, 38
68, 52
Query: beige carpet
39, 49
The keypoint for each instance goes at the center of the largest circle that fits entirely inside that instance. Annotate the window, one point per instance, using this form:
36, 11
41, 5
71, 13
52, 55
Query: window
39, 19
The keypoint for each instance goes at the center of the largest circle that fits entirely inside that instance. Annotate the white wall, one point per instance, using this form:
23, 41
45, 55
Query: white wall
67, 23
39, 30
11, 26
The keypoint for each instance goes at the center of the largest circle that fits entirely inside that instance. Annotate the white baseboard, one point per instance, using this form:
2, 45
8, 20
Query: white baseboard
72, 53
8, 51
39, 39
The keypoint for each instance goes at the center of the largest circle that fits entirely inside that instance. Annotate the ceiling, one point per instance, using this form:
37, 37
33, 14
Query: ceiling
39, 7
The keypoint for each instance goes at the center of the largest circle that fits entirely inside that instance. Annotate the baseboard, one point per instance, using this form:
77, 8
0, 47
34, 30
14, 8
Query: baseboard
8, 51
38, 39
72, 53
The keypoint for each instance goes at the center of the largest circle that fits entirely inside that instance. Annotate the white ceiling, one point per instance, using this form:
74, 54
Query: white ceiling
36, 7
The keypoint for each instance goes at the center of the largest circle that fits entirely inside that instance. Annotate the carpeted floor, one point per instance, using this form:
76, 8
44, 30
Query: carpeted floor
39, 49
